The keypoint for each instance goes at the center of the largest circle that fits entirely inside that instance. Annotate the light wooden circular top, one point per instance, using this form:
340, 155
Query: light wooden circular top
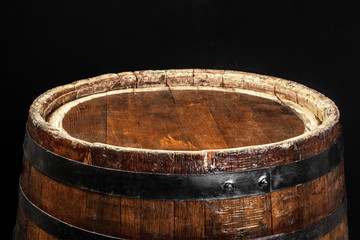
180, 119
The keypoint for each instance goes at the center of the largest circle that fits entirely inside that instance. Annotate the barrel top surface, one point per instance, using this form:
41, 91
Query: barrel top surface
180, 119
197, 114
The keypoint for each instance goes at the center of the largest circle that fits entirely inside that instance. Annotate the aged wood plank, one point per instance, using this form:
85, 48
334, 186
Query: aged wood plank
87, 121
157, 219
25, 176
122, 121
64, 202
103, 214
194, 163
36, 183
61, 146
159, 124
276, 121
150, 78
308, 147
336, 187
314, 199
189, 220
144, 119
208, 77
71, 205
286, 206
49, 196
32, 230
45, 236
154, 162
246, 217
196, 118
130, 218
234, 118
179, 77
20, 230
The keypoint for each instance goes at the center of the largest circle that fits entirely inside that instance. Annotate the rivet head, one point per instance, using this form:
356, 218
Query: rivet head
263, 181
229, 187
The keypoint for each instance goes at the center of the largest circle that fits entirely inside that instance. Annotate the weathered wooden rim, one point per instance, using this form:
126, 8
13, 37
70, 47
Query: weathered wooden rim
287, 92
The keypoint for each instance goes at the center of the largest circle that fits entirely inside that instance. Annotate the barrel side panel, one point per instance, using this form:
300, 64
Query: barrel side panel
247, 217
303, 205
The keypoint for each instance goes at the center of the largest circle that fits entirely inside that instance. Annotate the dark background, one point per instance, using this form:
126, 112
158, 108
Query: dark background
50, 43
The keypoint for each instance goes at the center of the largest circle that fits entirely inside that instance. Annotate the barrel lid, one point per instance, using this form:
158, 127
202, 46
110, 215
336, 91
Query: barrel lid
218, 120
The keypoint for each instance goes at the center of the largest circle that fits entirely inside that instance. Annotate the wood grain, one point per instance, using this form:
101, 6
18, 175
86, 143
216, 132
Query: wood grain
91, 117
235, 119
189, 220
286, 208
122, 121
103, 214
247, 217
130, 218
156, 219
197, 121
171, 119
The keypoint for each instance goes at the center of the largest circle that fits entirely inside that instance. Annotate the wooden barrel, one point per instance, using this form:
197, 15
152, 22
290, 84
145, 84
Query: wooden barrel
182, 154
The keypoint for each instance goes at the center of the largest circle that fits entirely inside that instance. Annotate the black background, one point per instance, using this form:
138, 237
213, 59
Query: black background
54, 42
